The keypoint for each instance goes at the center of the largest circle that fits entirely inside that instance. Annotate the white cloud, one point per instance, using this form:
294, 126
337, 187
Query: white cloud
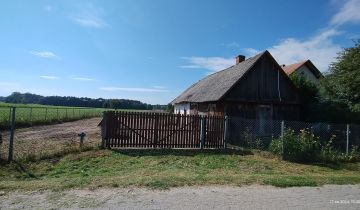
349, 13
49, 77
210, 63
148, 90
158, 87
89, 22
44, 54
83, 78
89, 16
250, 51
319, 48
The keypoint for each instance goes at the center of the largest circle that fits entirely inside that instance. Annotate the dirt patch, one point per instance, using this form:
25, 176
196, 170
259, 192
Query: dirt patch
207, 197
48, 139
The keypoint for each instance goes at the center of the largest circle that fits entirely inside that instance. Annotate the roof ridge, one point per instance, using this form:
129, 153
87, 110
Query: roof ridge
231, 75
246, 60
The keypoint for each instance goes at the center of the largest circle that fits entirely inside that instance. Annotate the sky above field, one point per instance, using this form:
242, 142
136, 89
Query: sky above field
153, 50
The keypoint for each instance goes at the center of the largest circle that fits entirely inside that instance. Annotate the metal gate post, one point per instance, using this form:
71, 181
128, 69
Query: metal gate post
12, 131
202, 132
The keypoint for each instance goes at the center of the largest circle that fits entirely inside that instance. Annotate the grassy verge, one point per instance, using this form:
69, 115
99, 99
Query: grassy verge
162, 169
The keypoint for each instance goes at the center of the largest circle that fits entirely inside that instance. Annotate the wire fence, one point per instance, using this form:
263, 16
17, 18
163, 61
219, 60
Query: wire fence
20, 139
29, 142
29, 116
258, 134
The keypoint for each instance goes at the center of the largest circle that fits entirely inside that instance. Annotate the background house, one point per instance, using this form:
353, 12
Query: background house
304, 68
255, 88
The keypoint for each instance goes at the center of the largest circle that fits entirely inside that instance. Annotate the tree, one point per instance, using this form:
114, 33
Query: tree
309, 92
343, 79
27, 98
170, 108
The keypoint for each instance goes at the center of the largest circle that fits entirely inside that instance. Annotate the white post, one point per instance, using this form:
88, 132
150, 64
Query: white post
347, 138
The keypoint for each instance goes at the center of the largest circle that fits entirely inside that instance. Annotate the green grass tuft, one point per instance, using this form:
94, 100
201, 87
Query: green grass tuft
291, 181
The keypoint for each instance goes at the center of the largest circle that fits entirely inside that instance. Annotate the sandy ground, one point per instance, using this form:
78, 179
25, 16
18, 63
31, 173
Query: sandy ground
51, 138
208, 197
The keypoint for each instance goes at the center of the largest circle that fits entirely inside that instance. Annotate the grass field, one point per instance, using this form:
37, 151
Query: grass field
34, 114
162, 169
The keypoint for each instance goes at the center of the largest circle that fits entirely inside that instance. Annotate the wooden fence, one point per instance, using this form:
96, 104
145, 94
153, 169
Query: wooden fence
159, 130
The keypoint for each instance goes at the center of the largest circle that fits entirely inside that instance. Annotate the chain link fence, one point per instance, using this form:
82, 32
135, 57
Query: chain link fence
37, 133
252, 133
29, 116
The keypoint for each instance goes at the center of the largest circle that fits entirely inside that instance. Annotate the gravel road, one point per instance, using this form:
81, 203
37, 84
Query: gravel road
207, 197
51, 138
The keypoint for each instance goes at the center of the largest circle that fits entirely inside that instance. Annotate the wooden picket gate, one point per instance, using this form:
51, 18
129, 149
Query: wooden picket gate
160, 130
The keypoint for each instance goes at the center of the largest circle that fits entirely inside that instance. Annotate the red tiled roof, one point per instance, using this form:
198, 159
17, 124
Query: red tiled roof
289, 69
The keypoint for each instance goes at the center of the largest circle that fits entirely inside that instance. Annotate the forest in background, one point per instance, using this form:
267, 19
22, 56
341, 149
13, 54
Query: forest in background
29, 98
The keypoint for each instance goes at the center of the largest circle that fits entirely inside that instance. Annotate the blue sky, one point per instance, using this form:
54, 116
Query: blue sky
153, 50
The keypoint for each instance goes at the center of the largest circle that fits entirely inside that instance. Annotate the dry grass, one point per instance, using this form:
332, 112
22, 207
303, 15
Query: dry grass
51, 140
170, 168
58, 163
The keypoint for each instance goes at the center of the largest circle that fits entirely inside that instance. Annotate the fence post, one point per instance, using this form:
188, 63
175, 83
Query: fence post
104, 131
10, 108
282, 136
282, 128
347, 138
202, 132
12, 131
226, 122
156, 131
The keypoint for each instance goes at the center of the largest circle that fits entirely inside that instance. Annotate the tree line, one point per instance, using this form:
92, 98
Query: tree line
29, 98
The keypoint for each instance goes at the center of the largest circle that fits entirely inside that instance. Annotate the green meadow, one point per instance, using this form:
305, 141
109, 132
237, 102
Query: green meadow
35, 114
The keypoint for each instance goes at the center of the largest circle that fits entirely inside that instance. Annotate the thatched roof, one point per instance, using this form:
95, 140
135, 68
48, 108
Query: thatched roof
216, 85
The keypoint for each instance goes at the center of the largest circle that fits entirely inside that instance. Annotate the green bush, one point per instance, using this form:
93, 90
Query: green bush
329, 154
305, 147
302, 148
276, 146
297, 148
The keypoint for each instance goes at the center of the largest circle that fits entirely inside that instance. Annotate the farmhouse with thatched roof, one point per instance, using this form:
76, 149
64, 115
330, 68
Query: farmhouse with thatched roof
255, 88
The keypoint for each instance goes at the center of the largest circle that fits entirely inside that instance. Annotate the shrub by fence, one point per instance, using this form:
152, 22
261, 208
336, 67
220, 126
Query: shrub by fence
259, 133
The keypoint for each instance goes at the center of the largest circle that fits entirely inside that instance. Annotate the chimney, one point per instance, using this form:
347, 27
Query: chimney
240, 58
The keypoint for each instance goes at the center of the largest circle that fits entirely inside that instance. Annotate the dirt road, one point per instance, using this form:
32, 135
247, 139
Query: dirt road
51, 138
208, 197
